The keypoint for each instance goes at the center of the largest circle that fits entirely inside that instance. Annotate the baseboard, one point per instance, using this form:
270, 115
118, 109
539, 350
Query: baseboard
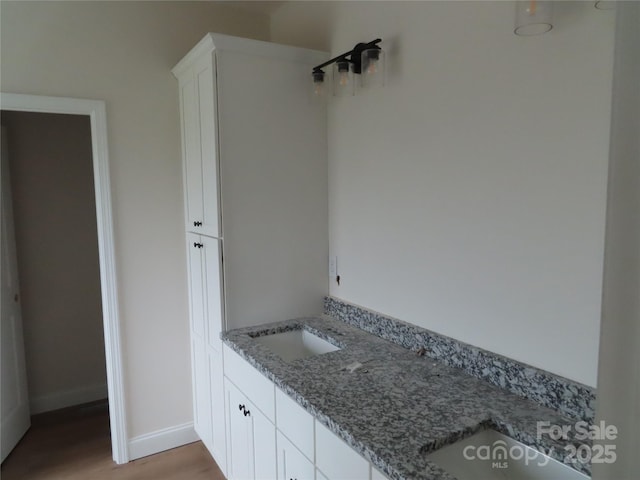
161, 440
67, 398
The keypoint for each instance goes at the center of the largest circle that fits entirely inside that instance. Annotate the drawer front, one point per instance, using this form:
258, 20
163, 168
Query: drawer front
292, 464
337, 460
258, 388
295, 423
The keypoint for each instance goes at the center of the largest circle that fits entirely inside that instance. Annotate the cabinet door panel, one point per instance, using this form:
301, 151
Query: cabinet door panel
191, 152
205, 79
212, 290
292, 464
239, 436
196, 285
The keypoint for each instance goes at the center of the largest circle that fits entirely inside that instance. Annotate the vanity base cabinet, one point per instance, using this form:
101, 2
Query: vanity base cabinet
271, 436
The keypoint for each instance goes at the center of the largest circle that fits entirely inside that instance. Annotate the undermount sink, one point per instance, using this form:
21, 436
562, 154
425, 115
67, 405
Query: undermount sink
490, 455
295, 344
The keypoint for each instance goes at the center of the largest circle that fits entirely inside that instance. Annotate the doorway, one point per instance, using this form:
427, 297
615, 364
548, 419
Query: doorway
93, 113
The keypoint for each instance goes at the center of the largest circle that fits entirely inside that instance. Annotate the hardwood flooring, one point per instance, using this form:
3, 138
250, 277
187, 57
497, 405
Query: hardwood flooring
74, 444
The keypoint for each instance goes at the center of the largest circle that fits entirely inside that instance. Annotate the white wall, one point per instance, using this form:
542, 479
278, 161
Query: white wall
57, 246
468, 196
619, 369
122, 52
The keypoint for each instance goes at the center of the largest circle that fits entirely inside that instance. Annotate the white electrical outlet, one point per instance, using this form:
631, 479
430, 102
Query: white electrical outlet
333, 266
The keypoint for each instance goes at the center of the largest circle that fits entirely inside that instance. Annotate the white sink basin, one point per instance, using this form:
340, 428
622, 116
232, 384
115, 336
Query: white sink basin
490, 455
296, 344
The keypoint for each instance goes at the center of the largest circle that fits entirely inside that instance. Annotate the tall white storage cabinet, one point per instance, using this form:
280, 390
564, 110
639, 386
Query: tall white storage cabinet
255, 181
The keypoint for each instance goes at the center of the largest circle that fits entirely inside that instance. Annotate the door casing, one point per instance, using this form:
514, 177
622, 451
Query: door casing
96, 111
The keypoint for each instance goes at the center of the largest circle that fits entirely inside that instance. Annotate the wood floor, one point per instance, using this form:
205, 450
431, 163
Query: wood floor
74, 444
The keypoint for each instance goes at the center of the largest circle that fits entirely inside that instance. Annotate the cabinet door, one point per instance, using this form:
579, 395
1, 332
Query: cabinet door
199, 147
205, 80
213, 293
251, 439
292, 464
239, 436
196, 285
201, 391
191, 153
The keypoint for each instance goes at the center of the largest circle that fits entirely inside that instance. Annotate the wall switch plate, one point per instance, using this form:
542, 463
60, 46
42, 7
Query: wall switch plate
333, 266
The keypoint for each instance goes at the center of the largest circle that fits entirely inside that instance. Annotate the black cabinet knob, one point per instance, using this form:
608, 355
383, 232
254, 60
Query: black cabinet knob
247, 412
198, 245
240, 407
197, 224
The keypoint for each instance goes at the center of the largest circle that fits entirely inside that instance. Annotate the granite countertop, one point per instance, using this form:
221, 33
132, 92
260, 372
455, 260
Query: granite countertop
399, 406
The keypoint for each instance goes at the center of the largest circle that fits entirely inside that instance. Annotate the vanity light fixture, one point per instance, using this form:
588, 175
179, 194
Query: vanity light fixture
364, 61
533, 17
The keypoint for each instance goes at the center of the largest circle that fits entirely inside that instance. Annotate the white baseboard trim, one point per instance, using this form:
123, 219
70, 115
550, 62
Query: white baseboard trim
67, 398
161, 440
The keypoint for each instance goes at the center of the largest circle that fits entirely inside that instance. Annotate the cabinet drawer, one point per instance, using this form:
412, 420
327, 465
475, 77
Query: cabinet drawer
259, 389
292, 464
337, 460
295, 423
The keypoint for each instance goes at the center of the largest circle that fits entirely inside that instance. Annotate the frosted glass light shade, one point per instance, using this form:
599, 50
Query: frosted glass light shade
533, 17
343, 82
320, 86
373, 69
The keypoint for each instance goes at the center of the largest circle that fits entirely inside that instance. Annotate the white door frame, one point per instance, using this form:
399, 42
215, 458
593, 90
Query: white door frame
96, 111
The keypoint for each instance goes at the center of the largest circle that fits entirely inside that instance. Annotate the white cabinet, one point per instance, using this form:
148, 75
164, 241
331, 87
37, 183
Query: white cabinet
255, 173
255, 194
251, 439
292, 464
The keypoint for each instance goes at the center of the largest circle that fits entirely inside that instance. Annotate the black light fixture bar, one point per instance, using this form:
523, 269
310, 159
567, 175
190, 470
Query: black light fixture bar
354, 57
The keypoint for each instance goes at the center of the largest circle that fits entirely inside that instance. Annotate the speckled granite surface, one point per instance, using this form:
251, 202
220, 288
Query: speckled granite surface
399, 407
569, 398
